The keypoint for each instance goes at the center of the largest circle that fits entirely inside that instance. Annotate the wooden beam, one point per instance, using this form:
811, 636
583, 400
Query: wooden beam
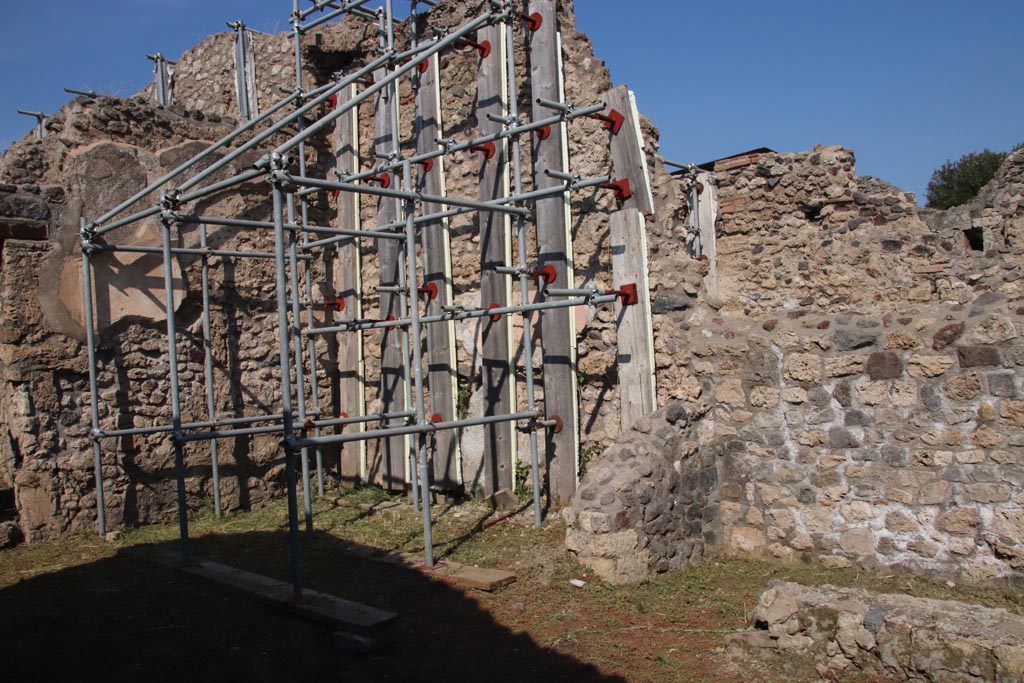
629, 263
388, 466
348, 286
707, 217
442, 367
628, 156
554, 247
498, 368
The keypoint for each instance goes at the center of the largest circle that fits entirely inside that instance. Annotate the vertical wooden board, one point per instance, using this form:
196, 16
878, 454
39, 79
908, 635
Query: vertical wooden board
442, 367
498, 367
628, 150
388, 467
554, 247
348, 286
707, 215
638, 391
635, 359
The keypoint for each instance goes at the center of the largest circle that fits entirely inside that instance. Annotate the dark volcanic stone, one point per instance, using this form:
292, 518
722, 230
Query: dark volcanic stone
848, 340
884, 365
947, 335
977, 356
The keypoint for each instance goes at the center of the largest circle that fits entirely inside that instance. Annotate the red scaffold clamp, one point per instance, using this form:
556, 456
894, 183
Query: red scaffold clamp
621, 189
332, 101
429, 290
628, 294
495, 317
488, 149
423, 66
543, 133
383, 180
337, 303
335, 194
613, 120
483, 48
533, 21
436, 418
427, 165
547, 273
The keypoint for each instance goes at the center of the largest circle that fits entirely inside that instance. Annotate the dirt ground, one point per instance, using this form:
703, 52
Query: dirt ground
86, 608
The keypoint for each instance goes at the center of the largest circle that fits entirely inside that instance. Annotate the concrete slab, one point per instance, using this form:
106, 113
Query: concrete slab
482, 579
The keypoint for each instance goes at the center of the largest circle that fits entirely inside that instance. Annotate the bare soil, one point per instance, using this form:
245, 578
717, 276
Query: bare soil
86, 608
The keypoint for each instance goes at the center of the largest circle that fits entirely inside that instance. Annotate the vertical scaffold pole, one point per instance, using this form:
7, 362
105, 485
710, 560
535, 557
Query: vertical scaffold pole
422, 456
390, 467
554, 248
524, 276
286, 385
300, 384
94, 398
498, 371
211, 400
172, 358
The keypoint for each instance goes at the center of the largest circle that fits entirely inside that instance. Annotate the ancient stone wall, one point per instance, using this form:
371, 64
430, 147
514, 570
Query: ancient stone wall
862, 370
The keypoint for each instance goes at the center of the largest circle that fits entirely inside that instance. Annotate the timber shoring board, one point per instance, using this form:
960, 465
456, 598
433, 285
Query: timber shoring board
554, 247
350, 392
497, 365
442, 367
637, 390
627, 148
389, 465
635, 353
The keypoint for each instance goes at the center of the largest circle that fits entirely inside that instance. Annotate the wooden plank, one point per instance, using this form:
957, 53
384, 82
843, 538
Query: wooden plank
736, 162
707, 215
442, 366
637, 389
498, 368
321, 607
554, 247
635, 334
350, 389
388, 466
628, 156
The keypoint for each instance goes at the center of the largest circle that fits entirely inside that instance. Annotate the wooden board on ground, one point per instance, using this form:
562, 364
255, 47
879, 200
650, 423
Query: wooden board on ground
388, 468
554, 247
350, 390
637, 390
498, 369
327, 609
442, 368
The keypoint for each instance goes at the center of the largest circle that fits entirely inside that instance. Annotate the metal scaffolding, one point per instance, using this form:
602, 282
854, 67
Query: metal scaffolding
396, 177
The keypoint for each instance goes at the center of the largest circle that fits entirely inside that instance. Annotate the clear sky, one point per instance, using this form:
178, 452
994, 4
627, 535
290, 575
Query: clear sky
907, 84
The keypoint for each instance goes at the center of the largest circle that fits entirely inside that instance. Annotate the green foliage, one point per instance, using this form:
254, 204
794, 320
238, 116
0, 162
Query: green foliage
957, 182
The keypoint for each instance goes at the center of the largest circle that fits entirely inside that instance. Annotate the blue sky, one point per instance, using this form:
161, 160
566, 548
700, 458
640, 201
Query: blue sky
907, 84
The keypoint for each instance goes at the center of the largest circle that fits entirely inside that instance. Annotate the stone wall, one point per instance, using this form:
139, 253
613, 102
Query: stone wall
862, 370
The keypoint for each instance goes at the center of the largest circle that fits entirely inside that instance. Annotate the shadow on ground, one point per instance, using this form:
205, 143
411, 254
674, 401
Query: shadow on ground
127, 617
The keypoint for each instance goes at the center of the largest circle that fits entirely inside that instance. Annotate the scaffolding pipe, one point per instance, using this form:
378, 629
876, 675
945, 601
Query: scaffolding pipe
524, 275
156, 184
286, 385
286, 121
300, 384
186, 251
418, 428
211, 401
417, 370
377, 87
172, 357
90, 343
353, 325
